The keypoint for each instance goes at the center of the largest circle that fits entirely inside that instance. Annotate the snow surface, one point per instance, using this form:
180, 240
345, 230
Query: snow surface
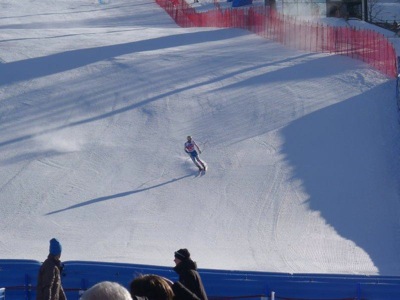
96, 103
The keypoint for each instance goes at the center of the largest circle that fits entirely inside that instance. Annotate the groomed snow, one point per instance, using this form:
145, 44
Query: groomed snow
96, 101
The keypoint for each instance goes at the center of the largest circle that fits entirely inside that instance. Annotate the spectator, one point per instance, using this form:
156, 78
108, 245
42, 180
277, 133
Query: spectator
49, 285
395, 26
154, 287
188, 274
106, 290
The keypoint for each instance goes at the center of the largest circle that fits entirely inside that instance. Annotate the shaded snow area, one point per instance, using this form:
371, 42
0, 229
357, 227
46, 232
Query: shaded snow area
96, 101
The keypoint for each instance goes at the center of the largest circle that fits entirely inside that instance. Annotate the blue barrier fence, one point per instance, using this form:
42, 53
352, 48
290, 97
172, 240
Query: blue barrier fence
19, 278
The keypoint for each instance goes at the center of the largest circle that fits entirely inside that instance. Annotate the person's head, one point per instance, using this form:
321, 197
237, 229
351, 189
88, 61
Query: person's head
55, 248
181, 255
153, 287
106, 290
189, 138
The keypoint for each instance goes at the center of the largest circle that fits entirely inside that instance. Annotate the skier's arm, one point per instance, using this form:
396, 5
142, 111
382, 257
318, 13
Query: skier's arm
198, 149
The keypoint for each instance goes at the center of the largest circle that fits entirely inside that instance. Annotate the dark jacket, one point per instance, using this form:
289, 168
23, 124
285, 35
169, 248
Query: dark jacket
182, 293
49, 280
190, 278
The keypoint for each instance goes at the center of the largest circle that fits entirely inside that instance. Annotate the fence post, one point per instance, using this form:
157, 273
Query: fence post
83, 288
2, 293
358, 291
28, 287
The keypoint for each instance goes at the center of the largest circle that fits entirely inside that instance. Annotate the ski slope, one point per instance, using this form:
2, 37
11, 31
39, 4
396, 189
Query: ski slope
96, 101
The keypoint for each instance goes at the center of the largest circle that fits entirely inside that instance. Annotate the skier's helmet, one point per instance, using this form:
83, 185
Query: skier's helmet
189, 137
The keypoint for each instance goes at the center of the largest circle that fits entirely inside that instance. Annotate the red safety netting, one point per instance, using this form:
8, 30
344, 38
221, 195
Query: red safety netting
366, 45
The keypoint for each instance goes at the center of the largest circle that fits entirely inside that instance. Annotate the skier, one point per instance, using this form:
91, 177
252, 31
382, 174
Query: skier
190, 148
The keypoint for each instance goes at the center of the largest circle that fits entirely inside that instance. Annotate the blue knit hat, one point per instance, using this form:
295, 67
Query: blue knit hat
55, 247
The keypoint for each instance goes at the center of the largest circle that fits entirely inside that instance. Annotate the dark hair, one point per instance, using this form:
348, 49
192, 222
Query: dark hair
153, 287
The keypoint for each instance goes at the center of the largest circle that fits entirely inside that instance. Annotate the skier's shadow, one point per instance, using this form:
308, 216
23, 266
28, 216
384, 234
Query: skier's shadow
120, 195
